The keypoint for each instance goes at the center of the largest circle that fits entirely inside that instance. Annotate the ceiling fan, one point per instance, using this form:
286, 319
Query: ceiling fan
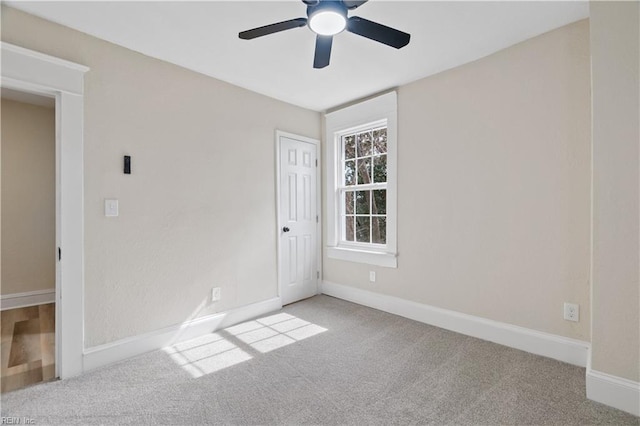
327, 18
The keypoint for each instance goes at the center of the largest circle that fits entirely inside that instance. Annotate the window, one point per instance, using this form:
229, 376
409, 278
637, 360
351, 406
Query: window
361, 200
363, 186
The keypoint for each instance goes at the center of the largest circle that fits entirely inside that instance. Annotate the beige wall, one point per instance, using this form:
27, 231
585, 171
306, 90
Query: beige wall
198, 210
616, 285
28, 197
494, 188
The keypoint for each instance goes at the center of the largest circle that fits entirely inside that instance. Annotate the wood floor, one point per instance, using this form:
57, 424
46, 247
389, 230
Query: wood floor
28, 346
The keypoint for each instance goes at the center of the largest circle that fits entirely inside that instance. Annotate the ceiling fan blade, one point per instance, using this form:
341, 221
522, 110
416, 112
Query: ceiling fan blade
273, 28
352, 4
323, 51
378, 32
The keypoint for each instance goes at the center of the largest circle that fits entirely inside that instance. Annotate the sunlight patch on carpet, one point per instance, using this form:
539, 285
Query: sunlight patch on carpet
275, 331
214, 352
206, 354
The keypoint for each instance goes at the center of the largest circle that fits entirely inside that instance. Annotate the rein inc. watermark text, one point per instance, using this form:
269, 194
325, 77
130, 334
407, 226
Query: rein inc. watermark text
17, 421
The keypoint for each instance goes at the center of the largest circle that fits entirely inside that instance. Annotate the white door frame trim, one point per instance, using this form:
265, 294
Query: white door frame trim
316, 143
29, 71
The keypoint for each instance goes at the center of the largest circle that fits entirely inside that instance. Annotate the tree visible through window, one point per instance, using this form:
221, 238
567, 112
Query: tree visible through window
363, 191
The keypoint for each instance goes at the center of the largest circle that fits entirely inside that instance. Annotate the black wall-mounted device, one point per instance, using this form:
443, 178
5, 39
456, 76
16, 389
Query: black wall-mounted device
127, 164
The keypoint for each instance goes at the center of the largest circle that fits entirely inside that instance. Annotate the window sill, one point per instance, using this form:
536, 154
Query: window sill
378, 258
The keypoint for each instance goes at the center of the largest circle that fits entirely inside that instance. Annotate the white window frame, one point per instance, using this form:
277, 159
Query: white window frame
373, 112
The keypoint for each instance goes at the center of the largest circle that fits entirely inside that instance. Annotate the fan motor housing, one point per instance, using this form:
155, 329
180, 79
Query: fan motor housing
327, 6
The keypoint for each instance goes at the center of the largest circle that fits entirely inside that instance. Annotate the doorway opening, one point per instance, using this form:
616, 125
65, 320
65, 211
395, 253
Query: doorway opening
35, 73
28, 239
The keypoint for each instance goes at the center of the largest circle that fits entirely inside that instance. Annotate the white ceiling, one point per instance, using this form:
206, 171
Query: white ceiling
203, 36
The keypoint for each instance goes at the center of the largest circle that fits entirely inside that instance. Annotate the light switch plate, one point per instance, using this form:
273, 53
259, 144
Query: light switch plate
110, 208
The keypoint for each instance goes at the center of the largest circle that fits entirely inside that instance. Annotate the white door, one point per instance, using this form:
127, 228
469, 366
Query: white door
298, 218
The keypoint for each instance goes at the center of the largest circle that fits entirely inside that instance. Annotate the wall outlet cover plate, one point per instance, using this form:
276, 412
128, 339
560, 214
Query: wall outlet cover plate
572, 312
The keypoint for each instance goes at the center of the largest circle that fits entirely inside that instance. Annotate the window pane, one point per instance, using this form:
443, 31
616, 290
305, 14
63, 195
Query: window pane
349, 146
379, 230
364, 171
379, 204
380, 141
350, 172
348, 228
364, 158
362, 229
362, 202
364, 144
380, 168
348, 202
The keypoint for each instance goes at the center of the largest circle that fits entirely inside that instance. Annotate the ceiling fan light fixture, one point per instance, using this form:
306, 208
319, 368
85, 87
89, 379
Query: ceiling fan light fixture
327, 18
327, 22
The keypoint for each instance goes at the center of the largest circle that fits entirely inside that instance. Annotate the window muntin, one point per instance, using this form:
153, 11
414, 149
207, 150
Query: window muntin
362, 189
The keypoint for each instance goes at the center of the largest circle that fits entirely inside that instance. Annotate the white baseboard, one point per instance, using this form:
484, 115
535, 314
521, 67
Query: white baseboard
109, 353
564, 349
614, 391
30, 298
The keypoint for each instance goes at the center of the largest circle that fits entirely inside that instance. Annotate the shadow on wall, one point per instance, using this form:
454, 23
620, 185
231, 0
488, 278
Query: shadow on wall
233, 345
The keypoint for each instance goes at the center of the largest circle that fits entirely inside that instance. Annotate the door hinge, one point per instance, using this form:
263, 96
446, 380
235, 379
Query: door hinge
59, 253
317, 220
318, 274
316, 162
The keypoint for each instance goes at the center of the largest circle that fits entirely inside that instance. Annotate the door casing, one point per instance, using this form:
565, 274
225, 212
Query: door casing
33, 72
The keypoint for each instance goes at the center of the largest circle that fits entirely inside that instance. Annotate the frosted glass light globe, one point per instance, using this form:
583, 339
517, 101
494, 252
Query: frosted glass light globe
327, 23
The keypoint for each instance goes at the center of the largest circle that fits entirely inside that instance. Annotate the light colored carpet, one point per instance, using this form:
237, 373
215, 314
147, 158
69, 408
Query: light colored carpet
323, 361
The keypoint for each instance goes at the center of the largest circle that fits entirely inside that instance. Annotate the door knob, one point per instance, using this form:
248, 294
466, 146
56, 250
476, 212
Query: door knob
285, 229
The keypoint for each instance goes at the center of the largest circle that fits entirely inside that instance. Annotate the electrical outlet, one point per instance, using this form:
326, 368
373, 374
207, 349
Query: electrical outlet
372, 276
215, 294
572, 312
